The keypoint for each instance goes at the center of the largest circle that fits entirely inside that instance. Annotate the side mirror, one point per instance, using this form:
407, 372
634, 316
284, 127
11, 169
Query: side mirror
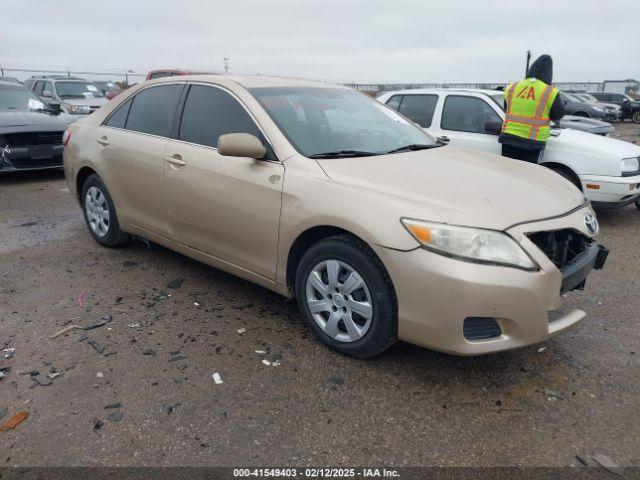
47, 93
55, 107
241, 145
492, 127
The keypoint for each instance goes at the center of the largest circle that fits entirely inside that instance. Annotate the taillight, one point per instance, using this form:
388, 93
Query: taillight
66, 136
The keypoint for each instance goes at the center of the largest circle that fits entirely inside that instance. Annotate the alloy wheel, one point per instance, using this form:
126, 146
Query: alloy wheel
97, 210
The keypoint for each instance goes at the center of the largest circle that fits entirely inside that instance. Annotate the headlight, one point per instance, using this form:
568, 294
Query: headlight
628, 165
78, 109
470, 244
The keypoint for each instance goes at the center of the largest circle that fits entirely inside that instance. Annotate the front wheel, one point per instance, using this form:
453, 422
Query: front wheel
346, 297
638, 203
100, 213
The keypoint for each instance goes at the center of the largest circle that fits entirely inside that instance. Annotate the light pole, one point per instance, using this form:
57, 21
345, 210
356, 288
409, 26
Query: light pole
226, 61
528, 59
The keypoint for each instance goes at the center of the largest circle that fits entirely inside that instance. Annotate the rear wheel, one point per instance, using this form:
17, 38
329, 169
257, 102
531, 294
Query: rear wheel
638, 203
346, 297
636, 116
100, 213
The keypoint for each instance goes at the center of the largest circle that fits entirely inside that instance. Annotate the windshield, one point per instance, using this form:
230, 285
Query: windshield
321, 120
587, 98
572, 98
18, 98
77, 90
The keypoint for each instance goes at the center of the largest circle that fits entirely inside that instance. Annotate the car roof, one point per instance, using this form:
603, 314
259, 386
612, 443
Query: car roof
249, 81
418, 91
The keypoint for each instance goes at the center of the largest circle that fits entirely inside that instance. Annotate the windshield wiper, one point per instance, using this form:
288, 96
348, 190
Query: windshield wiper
343, 153
413, 147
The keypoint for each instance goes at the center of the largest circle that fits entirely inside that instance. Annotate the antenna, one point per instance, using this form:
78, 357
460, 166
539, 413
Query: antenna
226, 61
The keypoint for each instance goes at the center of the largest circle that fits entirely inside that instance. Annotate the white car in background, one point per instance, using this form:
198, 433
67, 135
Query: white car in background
606, 170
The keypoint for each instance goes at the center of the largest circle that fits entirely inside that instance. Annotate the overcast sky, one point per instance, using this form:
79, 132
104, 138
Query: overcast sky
335, 40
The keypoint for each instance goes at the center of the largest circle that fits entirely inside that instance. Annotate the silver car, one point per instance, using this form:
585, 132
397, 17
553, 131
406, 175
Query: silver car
74, 95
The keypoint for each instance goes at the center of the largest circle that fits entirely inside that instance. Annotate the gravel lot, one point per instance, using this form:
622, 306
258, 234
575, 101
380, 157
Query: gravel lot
577, 396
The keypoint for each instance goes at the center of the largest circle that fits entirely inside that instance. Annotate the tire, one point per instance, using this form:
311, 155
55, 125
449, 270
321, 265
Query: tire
569, 175
636, 116
363, 333
638, 203
100, 213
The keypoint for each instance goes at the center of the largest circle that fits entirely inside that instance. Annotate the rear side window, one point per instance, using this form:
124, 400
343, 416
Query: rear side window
419, 108
467, 114
210, 112
616, 97
119, 117
152, 110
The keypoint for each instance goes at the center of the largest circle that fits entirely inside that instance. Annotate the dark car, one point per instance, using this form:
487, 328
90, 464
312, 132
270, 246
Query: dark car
14, 80
575, 106
630, 106
31, 130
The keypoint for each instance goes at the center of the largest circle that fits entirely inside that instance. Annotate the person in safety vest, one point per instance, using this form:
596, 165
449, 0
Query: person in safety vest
530, 104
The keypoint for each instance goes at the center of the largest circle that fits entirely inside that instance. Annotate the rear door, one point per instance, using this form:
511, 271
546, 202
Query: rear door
130, 145
465, 121
228, 207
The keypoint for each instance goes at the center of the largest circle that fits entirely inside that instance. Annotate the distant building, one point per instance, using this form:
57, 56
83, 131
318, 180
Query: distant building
629, 86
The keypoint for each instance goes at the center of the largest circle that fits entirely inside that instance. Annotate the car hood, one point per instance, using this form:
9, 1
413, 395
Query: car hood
85, 101
460, 186
586, 124
9, 120
576, 141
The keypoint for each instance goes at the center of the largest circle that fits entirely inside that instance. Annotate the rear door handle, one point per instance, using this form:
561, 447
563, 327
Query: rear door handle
103, 141
176, 160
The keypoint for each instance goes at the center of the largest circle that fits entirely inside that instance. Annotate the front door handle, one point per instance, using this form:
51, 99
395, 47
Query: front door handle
176, 160
443, 139
103, 141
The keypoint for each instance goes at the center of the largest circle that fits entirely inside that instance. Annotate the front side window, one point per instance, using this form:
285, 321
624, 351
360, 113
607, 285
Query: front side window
152, 110
394, 102
77, 90
210, 112
319, 120
467, 114
48, 87
419, 108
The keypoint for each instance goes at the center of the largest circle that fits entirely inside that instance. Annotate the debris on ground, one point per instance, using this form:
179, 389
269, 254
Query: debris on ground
115, 417
542, 349
99, 375
66, 329
14, 421
80, 299
97, 425
242, 330
149, 352
266, 362
581, 460
129, 263
135, 325
553, 394
217, 378
170, 408
3, 412
175, 358
261, 352
98, 323
113, 405
608, 464
42, 380
196, 304
176, 283
96, 346
335, 381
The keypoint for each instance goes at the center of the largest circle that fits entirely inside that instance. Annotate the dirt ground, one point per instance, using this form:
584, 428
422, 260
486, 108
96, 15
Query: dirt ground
139, 389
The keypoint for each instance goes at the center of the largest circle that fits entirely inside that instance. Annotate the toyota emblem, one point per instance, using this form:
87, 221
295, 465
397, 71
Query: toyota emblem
591, 223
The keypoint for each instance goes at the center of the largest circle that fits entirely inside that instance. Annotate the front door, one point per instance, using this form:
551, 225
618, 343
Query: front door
228, 207
465, 120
